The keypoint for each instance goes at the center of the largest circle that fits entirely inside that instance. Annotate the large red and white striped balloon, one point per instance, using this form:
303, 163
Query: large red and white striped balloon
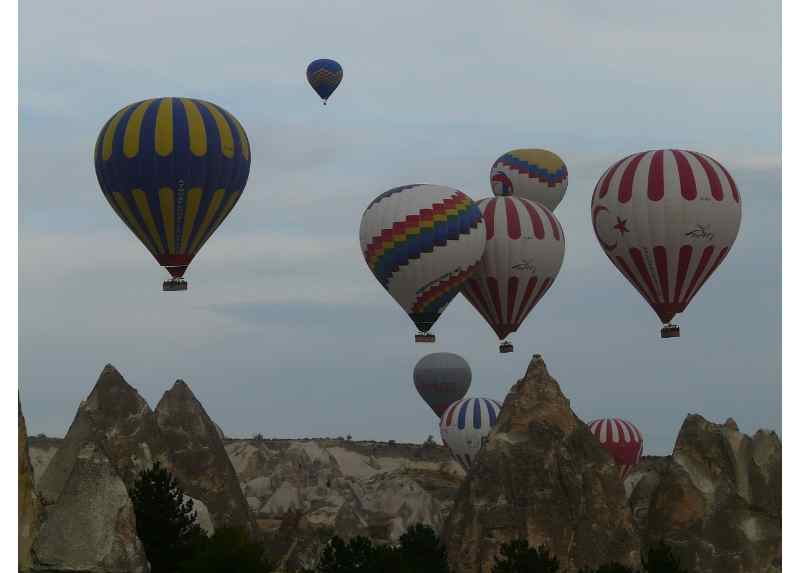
666, 219
524, 252
621, 439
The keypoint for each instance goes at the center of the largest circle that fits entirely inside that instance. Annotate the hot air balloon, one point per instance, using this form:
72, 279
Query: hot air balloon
422, 242
524, 251
465, 427
324, 76
666, 219
172, 169
536, 174
621, 439
441, 379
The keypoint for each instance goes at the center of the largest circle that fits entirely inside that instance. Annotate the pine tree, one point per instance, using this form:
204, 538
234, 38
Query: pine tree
165, 520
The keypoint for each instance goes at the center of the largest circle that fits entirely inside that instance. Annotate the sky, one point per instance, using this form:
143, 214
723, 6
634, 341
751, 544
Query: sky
284, 331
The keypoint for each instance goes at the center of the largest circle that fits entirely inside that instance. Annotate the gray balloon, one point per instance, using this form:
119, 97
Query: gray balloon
442, 378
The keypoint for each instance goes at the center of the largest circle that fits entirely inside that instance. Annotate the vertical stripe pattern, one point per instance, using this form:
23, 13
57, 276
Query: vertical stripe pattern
172, 168
521, 261
621, 439
666, 219
465, 426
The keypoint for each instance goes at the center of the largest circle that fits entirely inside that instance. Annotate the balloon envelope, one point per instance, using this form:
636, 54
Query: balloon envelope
666, 219
524, 252
324, 77
621, 439
535, 174
465, 425
172, 169
422, 242
442, 378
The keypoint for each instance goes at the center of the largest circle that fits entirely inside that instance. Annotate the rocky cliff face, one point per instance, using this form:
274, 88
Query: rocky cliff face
119, 421
92, 527
198, 458
543, 477
716, 501
303, 491
28, 503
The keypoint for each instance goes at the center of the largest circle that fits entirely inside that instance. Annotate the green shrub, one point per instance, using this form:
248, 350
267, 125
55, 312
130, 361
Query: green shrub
229, 549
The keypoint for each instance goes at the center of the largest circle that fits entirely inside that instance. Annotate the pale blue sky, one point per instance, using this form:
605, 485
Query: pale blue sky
283, 330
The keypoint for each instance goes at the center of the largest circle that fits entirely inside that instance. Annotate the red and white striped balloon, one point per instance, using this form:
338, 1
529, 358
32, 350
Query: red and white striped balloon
524, 252
621, 439
666, 219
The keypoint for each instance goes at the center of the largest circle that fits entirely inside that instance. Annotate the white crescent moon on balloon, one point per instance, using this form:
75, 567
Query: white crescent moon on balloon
605, 245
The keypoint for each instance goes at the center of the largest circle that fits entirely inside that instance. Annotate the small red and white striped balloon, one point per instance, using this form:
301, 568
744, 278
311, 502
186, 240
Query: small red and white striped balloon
621, 439
524, 252
666, 219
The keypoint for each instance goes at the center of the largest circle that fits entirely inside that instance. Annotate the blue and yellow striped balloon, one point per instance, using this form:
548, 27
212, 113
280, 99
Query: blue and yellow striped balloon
172, 169
324, 76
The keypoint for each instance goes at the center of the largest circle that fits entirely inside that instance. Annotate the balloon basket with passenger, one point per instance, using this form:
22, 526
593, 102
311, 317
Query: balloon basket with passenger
424, 337
506, 347
671, 331
175, 284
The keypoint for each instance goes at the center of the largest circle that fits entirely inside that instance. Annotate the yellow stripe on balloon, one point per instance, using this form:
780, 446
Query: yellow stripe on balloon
225, 134
198, 142
213, 206
225, 210
243, 139
130, 143
108, 136
131, 220
192, 204
164, 137
140, 198
166, 197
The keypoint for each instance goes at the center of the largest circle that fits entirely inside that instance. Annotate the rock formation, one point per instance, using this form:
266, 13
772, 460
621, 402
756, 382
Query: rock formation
303, 491
28, 503
119, 421
716, 501
92, 527
198, 458
543, 477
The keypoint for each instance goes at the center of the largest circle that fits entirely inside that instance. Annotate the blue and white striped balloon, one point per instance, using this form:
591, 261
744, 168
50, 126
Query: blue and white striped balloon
465, 426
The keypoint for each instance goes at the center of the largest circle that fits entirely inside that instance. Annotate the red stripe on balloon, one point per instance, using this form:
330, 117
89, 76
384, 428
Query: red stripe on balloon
609, 175
525, 298
660, 254
722, 254
513, 284
475, 296
626, 183
512, 219
655, 177
730, 182
553, 224
543, 289
713, 178
638, 260
488, 218
494, 292
684, 258
701, 266
623, 266
453, 408
536, 220
686, 176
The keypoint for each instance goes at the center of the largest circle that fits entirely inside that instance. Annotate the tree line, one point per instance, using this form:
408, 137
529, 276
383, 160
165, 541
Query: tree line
166, 523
